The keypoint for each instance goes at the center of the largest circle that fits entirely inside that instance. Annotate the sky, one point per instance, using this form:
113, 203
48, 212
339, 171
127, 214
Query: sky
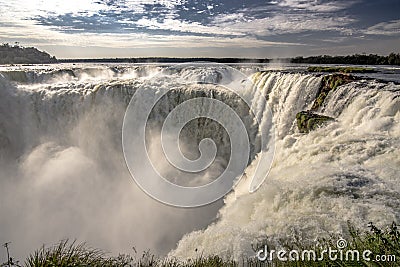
210, 28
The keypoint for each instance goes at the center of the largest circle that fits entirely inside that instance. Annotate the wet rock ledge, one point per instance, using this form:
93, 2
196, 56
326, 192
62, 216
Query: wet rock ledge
309, 120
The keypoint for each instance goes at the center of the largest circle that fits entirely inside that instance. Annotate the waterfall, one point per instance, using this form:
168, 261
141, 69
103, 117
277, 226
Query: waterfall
344, 172
64, 175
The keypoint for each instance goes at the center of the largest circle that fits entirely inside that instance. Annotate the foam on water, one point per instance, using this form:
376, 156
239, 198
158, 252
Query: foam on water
347, 171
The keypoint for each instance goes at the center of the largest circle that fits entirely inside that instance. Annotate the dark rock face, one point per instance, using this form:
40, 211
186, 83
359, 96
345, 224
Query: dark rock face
308, 121
330, 83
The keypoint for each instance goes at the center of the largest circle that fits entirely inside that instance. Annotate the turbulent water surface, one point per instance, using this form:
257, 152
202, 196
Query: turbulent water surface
63, 173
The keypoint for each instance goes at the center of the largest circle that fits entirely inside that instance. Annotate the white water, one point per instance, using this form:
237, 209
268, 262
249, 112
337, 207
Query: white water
63, 173
347, 171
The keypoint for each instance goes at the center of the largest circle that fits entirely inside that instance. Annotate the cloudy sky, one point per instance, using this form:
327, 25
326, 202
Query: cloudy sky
194, 28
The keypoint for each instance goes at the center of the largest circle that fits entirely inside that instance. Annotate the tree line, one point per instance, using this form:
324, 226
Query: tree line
166, 60
357, 59
15, 54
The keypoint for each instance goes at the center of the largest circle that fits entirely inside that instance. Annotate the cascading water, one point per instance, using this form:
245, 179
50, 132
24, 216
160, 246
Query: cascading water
345, 172
63, 172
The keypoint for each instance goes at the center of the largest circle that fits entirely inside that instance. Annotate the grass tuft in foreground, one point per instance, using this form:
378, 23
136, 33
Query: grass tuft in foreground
72, 254
378, 241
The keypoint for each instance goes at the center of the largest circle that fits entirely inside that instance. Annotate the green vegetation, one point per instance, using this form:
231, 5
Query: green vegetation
378, 242
65, 254
166, 60
15, 54
330, 83
308, 121
341, 69
357, 59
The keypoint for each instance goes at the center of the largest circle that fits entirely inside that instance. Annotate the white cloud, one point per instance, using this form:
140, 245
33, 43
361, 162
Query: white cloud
39, 35
228, 18
22, 9
385, 28
25, 9
285, 24
28, 32
183, 26
166, 3
315, 5
247, 27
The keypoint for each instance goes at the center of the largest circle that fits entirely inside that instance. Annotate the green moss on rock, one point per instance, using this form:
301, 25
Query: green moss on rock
330, 83
308, 121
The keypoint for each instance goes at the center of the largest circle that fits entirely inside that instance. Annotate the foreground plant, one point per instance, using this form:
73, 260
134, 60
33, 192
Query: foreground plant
72, 254
377, 241
381, 247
